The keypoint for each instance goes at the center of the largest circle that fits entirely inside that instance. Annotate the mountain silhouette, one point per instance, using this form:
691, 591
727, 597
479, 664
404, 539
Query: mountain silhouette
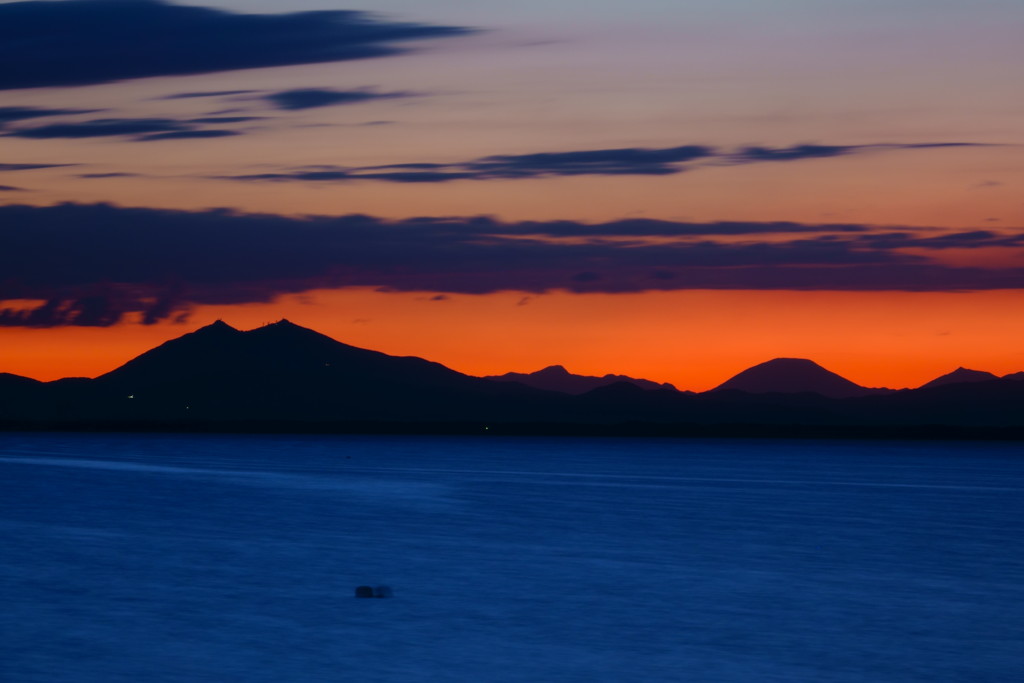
557, 378
283, 376
284, 371
960, 376
793, 376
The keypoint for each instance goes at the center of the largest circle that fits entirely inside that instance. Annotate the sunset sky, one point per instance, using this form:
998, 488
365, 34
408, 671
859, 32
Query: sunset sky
668, 189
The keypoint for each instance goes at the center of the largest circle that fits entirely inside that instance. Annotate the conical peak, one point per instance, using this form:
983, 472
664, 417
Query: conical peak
792, 375
803, 366
217, 326
792, 362
553, 370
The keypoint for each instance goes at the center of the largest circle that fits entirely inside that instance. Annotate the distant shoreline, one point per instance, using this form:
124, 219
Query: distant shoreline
621, 430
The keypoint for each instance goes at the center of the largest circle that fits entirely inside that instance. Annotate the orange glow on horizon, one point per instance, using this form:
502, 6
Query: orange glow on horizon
693, 339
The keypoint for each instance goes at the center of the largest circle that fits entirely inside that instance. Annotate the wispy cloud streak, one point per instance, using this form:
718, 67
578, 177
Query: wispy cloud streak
11, 114
139, 130
630, 161
312, 98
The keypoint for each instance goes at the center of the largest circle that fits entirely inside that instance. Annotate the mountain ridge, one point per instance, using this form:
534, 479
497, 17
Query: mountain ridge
960, 376
282, 373
558, 378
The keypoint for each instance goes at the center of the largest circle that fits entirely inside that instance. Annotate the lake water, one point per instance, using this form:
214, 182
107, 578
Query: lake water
235, 558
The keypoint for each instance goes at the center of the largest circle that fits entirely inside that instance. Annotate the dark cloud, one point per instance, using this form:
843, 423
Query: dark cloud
100, 41
10, 114
89, 311
100, 128
108, 175
608, 162
625, 161
96, 264
939, 145
646, 227
628, 161
225, 119
417, 176
10, 188
187, 134
342, 175
140, 130
585, 277
311, 98
757, 154
971, 239
96, 310
317, 176
749, 155
209, 93
30, 167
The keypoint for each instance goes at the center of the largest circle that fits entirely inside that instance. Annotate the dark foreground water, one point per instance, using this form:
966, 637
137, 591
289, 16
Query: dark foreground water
234, 558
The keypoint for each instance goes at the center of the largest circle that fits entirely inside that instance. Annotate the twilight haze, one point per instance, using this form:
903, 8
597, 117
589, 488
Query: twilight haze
662, 189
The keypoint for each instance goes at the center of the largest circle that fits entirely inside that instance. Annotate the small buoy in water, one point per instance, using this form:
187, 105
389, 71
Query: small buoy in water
371, 592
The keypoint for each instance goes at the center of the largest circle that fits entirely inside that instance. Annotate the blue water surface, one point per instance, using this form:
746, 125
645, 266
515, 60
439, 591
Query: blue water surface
235, 558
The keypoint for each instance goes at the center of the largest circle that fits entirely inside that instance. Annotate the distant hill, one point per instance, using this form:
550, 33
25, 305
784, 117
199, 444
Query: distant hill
960, 376
793, 376
19, 394
9, 380
557, 378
